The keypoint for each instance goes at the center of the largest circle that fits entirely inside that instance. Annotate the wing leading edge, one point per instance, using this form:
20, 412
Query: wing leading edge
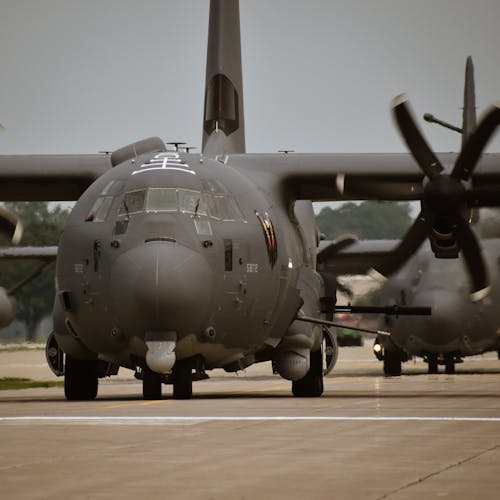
361, 176
49, 177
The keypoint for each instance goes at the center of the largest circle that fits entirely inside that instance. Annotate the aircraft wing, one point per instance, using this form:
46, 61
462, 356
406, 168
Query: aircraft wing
349, 256
362, 176
49, 177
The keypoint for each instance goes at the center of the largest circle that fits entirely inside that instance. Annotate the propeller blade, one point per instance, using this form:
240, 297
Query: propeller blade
410, 243
10, 226
474, 260
413, 137
471, 152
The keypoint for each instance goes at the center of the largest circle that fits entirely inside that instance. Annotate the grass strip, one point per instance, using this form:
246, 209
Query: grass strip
9, 383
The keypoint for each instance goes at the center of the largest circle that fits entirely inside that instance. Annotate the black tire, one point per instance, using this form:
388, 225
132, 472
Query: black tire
449, 365
432, 365
80, 379
151, 384
183, 379
311, 386
392, 364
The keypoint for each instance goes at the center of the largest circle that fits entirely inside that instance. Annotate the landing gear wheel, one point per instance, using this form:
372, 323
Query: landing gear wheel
392, 364
183, 379
80, 379
449, 365
151, 384
330, 351
433, 364
311, 386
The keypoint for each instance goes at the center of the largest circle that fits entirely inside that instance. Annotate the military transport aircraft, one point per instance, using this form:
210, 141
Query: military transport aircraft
458, 327
173, 263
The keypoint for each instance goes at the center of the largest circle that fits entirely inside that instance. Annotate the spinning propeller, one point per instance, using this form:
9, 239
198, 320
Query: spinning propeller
445, 211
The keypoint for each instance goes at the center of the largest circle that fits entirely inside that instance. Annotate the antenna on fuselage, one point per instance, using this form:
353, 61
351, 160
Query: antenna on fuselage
176, 145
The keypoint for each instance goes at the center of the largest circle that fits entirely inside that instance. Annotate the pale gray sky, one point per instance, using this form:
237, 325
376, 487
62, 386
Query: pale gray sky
80, 76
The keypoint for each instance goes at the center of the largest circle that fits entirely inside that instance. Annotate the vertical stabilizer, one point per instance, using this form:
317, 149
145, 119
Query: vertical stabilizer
223, 123
469, 120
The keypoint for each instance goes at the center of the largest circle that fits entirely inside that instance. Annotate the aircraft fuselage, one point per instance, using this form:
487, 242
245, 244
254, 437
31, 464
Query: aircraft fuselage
177, 248
457, 325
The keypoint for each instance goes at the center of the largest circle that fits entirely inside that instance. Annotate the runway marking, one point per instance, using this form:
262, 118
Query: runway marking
191, 420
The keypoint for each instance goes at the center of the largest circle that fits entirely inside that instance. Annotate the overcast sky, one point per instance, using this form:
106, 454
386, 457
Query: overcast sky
79, 76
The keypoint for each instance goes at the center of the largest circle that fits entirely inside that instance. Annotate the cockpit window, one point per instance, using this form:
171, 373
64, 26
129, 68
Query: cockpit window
224, 208
100, 209
217, 206
214, 186
113, 187
133, 201
161, 200
192, 202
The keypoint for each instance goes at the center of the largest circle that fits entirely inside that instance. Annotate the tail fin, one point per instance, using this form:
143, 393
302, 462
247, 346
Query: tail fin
469, 120
223, 121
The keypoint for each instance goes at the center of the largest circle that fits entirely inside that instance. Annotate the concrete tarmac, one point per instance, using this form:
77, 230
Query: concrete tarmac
244, 437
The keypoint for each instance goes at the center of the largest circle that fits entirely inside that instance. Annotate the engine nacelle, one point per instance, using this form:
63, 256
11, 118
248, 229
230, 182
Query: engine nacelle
7, 308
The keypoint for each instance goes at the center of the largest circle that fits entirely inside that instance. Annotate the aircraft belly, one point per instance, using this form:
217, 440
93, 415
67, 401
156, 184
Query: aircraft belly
465, 341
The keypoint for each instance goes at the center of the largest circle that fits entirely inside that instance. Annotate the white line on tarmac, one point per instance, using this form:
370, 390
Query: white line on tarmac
187, 420
24, 365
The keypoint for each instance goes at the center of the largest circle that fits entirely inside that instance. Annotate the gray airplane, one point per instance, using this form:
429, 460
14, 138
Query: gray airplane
172, 264
458, 326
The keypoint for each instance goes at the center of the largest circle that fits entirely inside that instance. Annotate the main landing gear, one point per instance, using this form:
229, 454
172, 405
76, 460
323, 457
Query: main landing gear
311, 386
80, 379
448, 360
182, 378
392, 363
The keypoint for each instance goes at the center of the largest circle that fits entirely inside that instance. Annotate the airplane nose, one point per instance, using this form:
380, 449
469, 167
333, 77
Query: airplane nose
445, 324
161, 286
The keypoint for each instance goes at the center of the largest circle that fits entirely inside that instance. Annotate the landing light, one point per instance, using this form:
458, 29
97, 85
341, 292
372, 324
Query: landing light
377, 348
290, 263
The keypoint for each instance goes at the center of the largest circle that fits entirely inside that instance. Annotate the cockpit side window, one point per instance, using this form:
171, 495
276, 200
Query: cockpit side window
133, 201
113, 187
224, 208
100, 209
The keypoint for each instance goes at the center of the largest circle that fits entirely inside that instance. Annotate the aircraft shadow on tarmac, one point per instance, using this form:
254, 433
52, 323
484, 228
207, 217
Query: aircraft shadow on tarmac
330, 393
